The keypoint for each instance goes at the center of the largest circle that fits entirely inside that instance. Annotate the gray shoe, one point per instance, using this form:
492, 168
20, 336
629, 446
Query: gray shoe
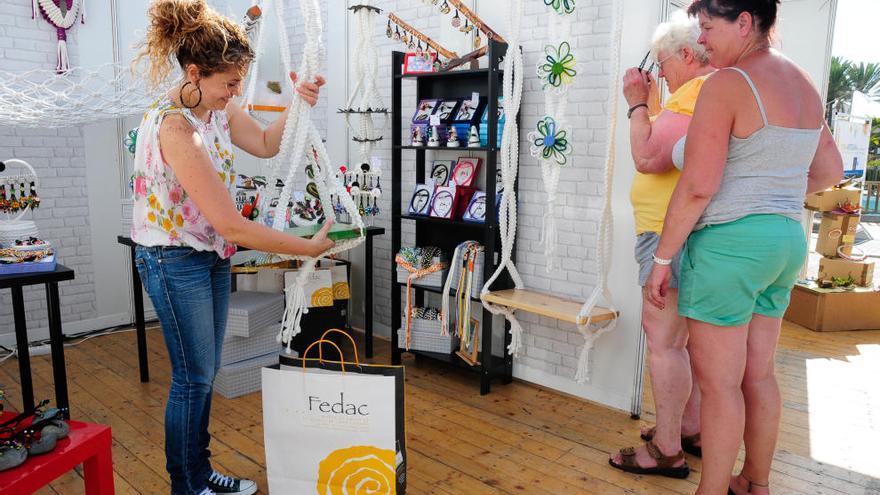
56, 424
44, 444
12, 455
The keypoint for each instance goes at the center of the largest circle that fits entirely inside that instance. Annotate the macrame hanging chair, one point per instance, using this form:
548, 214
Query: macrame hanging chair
301, 143
592, 320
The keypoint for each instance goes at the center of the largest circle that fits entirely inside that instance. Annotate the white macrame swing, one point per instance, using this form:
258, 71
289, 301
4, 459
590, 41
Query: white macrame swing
299, 139
512, 91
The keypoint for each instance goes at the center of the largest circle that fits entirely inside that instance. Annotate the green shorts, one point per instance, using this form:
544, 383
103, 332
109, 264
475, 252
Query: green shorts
730, 271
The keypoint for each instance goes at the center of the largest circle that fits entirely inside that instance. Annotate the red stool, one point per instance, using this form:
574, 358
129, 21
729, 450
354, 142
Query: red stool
87, 444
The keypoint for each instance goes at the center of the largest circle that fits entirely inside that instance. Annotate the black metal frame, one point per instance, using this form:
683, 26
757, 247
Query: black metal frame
447, 234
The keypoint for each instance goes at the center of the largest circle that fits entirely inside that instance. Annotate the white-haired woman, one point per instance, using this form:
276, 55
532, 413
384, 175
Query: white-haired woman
684, 64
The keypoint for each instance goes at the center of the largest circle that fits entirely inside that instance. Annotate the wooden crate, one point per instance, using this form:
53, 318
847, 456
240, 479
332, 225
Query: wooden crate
831, 310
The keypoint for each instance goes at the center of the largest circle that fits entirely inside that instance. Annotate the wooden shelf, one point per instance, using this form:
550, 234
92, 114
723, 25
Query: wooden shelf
266, 108
547, 305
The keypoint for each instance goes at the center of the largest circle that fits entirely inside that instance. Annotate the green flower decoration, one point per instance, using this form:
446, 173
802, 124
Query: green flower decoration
559, 68
130, 141
561, 6
550, 143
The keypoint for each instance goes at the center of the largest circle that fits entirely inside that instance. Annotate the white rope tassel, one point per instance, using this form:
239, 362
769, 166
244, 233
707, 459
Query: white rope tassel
63, 64
295, 305
606, 226
512, 94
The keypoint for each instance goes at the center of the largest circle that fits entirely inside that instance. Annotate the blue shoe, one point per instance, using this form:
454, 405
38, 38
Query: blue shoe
12, 455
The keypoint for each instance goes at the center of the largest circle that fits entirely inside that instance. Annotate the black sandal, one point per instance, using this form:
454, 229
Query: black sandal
666, 464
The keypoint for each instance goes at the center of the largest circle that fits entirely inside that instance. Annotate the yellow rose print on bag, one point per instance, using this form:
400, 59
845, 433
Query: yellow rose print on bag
322, 298
341, 291
358, 470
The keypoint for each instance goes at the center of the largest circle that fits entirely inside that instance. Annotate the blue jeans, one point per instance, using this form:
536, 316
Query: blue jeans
190, 291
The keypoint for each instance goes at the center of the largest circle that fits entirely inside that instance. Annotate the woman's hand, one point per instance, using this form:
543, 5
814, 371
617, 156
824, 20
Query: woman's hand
658, 284
320, 242
636, 86
309, 91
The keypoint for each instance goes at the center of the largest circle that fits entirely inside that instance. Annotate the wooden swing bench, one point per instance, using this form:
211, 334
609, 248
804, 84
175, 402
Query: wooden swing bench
548, 305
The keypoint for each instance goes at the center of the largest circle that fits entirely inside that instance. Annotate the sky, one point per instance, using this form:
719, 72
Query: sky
855, 32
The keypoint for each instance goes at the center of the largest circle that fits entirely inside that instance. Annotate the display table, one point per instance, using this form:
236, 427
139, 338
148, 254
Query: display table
830, 310
87, 444
137, 291
53, 306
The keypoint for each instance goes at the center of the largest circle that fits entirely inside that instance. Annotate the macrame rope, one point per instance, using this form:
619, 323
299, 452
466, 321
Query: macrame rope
555, 104
365, 95
301, 140
606, 224
512, 97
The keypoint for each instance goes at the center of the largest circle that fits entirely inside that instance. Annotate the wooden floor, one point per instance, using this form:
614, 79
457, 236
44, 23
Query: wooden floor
520, 439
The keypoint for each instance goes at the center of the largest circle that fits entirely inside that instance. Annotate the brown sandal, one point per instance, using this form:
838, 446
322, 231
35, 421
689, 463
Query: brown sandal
665, 464
688, 443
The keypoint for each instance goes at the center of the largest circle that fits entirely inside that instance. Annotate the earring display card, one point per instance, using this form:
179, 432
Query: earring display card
424, 111
440, 171
476, 209
420, 203
446, 110
468, 115
465, 171
442, 202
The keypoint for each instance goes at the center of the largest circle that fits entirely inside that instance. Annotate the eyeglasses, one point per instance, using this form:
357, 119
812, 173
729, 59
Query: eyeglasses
645, 61
654, 64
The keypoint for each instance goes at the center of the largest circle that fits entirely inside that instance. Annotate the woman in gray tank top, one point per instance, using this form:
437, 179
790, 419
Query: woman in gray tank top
756, 145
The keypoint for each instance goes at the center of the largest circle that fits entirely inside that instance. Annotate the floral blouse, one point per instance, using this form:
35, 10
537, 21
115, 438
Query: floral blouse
164, 214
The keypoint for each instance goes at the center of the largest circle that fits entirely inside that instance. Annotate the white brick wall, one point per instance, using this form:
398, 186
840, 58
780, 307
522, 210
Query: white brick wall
59, 158
550, 346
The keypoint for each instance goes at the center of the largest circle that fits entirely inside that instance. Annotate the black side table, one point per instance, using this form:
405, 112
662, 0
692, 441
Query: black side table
140, 324
59, 372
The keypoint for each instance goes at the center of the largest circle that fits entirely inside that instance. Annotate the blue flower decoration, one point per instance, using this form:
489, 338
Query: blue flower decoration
549, 142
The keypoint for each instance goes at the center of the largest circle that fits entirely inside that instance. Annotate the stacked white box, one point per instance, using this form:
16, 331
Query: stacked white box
243, 377
250, 312
434, 279
260, 343
425, 336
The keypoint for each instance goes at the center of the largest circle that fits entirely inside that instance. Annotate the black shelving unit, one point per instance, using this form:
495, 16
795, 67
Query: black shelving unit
447, 234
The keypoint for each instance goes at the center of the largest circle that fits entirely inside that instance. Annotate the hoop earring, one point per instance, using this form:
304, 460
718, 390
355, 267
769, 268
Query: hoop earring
181, 95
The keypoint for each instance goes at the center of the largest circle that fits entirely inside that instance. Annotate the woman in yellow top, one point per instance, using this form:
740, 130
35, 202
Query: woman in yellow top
684, 65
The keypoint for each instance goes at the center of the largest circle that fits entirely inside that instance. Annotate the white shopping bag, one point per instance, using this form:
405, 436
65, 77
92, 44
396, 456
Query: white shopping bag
329, 431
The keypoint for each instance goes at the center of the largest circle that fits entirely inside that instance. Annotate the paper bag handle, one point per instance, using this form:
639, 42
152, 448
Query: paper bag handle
320, 354
350, 339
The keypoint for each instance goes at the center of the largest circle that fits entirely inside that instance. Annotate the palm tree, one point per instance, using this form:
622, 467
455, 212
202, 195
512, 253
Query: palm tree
865, 78
839, 85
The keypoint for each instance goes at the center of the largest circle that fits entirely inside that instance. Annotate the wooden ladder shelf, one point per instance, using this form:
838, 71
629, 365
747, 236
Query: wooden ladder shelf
547, 305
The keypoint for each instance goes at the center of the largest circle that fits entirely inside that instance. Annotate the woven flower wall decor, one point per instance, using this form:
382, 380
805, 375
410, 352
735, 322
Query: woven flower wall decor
549, 142
558, 68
